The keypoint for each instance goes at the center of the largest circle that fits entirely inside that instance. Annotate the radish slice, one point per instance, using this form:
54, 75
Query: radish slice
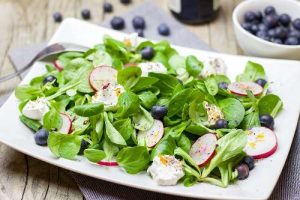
262, 142
203, 150
240, 88
102, 76
66, 124
154, 134
109, 163
58, 65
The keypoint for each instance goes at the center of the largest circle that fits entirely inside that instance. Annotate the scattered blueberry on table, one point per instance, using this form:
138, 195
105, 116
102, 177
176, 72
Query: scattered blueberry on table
107, 7
117, 23
41, 137
125, 1
86, 14
163, 29
272, 26
138, 22
57, 16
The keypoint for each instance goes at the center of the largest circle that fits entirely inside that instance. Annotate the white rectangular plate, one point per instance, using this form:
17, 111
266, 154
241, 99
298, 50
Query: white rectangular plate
283, 74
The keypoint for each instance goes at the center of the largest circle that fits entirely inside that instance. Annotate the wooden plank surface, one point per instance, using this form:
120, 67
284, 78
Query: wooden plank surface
30, 21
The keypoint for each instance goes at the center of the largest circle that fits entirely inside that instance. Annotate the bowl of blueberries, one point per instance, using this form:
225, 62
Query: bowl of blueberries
268, 28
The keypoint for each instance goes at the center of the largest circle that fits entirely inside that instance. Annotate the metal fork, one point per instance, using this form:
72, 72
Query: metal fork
47, 51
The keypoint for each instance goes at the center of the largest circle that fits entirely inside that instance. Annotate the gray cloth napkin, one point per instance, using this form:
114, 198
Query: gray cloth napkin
288, 186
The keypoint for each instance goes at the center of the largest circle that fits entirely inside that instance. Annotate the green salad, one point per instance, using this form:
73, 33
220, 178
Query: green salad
144, 107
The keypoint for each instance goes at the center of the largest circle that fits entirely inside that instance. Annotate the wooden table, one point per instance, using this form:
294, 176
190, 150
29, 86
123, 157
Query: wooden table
24, 22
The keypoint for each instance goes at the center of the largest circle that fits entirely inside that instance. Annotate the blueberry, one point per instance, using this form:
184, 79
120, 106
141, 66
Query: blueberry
280, 32
294, 33
254, 29
243, 171
221, 123
140, 32
125, 1
247, 26
261, 82
41, 137
223, 85
138, 22
262, 27
267, 120
57, 16
271, 33
147, 53
259, 16
249, 161
117, 23
86, 14
262, 34
50, 79
270, 10
158, 112
107, 7
284, 19
163, 29
250, 16
271, 21
291, 41
296, 24
277, 41
83, 146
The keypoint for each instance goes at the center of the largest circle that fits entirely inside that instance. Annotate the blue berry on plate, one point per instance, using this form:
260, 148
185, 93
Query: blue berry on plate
243, 171
254, 29
221, 123
294, 33
291, 41
247, 26
86, 14
250, 16
57, 16
117, 23
147, 53
261, 82
140, 32
249, 161
83, 146
262, 27
41, 137
267, 120
158, 112
125, 1
271, 21
163, 29
50, 79
280, 32
296, 24
107, 7
284, 19
138, 22
223, 85
270, 10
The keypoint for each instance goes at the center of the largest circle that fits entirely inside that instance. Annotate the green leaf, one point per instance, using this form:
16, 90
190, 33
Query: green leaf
110, 150
112, 133
24, 92
64, 145
144, 83
133, 159
52, 120
128, 104
211, 85
143, 120
101, 58
148, 99
30, 123
184, 143
193, 66
166, 83
164, 147
177, 102
84, 85
94, 155
124, 127
180, 152
250, 120
177, 62
88, 110
129, 76
197, 112
270, 104
233, 111
252, 72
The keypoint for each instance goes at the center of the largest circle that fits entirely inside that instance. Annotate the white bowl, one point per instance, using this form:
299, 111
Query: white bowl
255, 46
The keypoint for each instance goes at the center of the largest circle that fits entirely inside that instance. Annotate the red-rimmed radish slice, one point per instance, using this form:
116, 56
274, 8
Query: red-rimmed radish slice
240, 88
262, 142
203, 150
101, 76
109, 163
66, 127
58, 65
154, 134
130, 65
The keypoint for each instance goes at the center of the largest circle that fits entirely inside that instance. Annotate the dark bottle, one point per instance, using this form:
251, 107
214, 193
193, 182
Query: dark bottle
194, 11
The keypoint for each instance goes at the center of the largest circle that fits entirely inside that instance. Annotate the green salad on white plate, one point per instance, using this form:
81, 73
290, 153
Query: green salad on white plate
144, 107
